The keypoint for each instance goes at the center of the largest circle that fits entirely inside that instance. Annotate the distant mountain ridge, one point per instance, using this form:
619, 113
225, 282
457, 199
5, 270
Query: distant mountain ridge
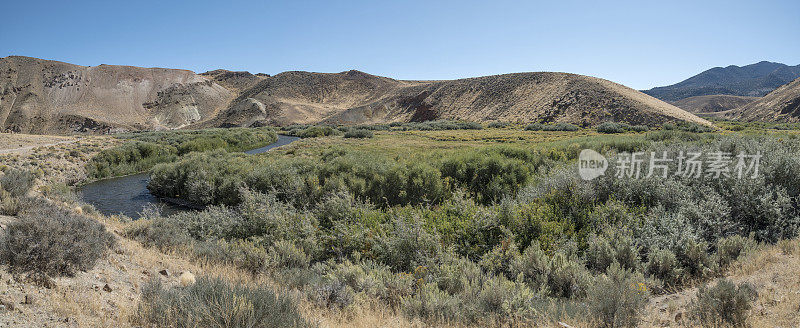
44, 96
754, 80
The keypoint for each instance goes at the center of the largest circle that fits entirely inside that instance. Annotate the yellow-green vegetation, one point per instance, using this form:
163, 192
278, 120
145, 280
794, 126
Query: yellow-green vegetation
478, 227
145, 150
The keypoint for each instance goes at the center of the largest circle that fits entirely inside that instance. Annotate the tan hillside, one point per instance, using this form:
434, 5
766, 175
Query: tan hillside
44, 96
781, 105
712, 103
356, 97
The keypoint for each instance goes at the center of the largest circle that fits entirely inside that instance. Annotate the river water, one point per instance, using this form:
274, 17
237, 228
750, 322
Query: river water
128, 195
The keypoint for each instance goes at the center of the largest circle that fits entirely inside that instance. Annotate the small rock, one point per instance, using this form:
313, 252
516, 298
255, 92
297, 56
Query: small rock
29, 299
42, 280
107, 288
95, 286
678, 316
7, 305
164, 272
186, 279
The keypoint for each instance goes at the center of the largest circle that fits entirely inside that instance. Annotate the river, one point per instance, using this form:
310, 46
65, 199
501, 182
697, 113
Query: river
128, 195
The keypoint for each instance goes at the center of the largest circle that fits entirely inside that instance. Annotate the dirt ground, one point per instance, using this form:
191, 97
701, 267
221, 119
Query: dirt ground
55, 159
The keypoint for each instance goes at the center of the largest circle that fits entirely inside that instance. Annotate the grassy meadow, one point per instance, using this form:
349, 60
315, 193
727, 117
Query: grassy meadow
447, 224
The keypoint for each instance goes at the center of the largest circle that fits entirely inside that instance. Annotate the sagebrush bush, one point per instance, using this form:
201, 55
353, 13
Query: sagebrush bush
567, 278
214, 302
617, 298
729, 249
724, 304
663, 265
9, 205
53, 241
17, 182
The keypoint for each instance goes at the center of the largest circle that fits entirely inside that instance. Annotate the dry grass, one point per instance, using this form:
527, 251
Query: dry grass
771, 269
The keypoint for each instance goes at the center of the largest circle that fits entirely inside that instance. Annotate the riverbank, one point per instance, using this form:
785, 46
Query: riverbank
128, 195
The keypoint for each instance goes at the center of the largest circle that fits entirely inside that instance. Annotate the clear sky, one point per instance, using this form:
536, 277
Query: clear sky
637, 43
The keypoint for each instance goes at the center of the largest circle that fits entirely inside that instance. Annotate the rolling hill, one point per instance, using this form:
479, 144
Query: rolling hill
355, 97
753, 80
712, 103
43, 96
781, 105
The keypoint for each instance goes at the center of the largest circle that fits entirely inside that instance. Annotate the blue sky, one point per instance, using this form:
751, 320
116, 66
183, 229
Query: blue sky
637, 43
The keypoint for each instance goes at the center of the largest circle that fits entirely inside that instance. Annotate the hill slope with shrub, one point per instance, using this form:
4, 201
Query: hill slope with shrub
355, 97
44, 96
781, 105
50, 97
712, 103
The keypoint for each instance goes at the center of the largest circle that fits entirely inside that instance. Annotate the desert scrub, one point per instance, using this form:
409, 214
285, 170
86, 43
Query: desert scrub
214, 302
54, 241
617, 298
613, 127
724, 304
551, 127
17, 182
14, 185
145, 150
498, 125
358, 133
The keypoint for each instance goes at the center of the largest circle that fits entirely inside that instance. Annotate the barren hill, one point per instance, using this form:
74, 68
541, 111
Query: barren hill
781, 105
44, 96
712, 103
356, 97
754, 80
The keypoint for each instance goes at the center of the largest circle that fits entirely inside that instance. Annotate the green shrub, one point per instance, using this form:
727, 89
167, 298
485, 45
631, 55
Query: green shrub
284, 254
729, 249
487, 176
317, 131
612, 127
600, 254
49, 240
533, 265
9, 205
551, 127
567, 278
694, 127
617, 298
129, 158
213, 302
358, 133
407, 245
498, 124
663, 265
724, 304
144, 150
